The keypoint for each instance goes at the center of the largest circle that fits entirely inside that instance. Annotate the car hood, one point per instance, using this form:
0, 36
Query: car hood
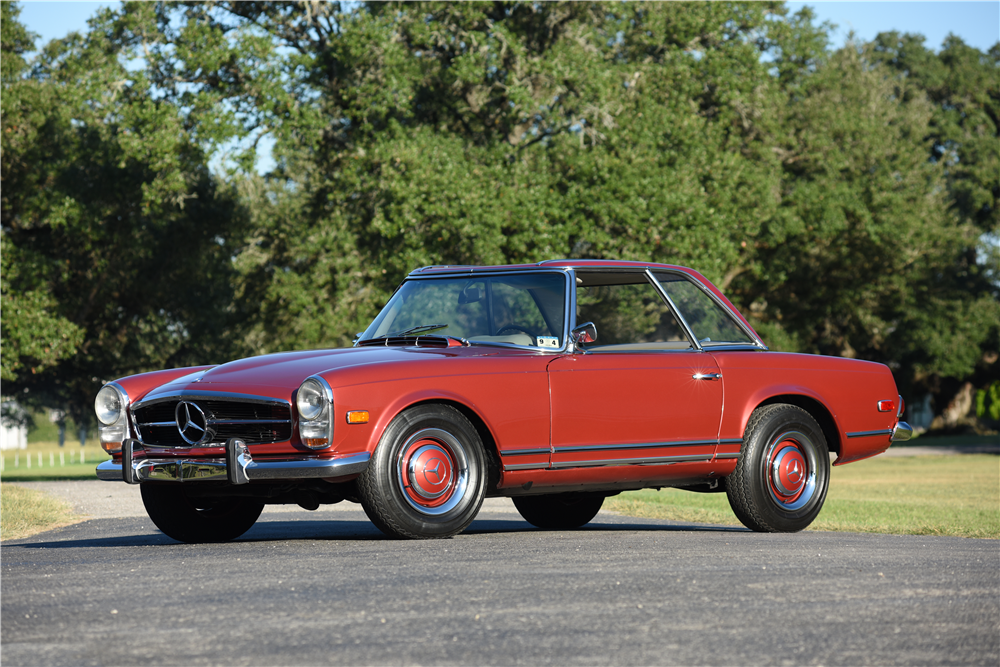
279, 375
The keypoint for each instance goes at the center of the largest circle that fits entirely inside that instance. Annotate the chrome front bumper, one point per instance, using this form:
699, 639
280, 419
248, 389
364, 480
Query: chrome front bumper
238, 467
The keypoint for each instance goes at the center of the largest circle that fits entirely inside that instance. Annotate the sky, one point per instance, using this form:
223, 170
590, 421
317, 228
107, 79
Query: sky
978, 23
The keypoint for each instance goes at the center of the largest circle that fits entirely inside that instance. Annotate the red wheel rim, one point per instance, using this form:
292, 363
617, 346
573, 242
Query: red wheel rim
428, 473
788, 472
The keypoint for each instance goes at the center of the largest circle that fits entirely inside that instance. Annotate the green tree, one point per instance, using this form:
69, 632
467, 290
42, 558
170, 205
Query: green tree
479, 133
845, 199
34, 336
873, 252
116, 240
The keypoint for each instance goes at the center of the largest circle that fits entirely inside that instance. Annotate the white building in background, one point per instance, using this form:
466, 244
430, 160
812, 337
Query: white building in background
13, 435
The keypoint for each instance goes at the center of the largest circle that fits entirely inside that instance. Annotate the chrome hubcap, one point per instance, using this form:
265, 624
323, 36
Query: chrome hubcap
433, 471
791, 470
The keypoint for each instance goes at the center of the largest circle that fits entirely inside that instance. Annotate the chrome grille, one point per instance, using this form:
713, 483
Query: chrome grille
252, 422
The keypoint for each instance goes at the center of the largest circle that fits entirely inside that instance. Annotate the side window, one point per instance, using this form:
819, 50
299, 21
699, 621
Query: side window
628, 312
709, 321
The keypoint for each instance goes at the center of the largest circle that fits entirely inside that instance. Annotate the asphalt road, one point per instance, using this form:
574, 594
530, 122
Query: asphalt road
326, 588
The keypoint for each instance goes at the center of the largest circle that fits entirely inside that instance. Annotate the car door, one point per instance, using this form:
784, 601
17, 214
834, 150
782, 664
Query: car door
642, 393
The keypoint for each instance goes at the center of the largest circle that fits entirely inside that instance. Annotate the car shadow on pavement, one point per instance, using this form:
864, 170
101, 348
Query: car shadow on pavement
328, 530
501, 526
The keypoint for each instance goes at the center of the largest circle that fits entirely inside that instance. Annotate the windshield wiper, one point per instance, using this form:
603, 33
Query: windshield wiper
419, 329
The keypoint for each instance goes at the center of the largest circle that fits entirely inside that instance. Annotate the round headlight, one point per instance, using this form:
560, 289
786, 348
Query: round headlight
108, 405
310, 400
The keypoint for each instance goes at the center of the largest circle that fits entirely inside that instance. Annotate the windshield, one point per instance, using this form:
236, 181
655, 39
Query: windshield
523, 309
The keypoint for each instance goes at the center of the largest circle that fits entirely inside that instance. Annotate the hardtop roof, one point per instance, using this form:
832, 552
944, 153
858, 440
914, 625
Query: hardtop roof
548, 263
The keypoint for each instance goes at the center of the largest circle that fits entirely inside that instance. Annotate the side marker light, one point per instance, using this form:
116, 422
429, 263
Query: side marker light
886, 406
357, 417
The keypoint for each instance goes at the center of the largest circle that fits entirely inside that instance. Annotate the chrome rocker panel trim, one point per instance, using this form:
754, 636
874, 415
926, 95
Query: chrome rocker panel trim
217, 470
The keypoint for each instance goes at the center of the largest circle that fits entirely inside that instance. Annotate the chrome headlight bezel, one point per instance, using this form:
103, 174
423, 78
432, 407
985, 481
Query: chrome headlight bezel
108, 405
111, 406
314, 405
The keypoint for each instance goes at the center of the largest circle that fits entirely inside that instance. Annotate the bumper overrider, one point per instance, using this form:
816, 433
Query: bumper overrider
238, 467
901, 432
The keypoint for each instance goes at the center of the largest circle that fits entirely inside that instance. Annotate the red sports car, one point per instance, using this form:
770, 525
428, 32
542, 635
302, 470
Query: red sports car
558, 384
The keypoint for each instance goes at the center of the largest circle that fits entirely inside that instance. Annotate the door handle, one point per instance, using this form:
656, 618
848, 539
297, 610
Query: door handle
707, 376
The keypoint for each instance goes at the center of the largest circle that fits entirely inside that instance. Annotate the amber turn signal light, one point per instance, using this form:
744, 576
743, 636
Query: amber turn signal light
357, 417
886, 406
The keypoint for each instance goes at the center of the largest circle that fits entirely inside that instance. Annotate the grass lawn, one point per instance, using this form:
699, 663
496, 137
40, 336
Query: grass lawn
45, 461
921, 495
25, 512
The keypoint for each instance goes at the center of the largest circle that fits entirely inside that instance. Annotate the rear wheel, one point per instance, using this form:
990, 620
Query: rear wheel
427, 477
561, 511
780, 482
195, 520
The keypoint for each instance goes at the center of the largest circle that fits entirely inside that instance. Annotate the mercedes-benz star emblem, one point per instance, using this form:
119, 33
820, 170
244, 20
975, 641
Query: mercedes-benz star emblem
436, 471
794, 472
191, 422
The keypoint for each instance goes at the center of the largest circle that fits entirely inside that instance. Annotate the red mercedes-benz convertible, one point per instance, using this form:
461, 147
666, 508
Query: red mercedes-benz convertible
558, 384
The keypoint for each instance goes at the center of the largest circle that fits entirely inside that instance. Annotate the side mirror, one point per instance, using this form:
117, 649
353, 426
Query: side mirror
584, 334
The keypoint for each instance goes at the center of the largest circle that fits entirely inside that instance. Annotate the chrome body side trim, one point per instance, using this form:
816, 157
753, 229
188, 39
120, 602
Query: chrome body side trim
526, 466
868, 434
734, 455
656, 460
901, 432
524, 452
216, 469
634, 445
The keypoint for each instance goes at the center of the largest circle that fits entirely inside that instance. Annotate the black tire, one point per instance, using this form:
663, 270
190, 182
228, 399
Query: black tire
405, 491
561, 511
780, 482
200, 519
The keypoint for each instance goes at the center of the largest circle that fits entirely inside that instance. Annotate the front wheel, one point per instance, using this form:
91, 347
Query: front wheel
198, 520
780, 482
561, 511
427, 477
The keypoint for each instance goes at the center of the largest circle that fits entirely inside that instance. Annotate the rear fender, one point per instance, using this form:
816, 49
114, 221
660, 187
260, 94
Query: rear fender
803, 397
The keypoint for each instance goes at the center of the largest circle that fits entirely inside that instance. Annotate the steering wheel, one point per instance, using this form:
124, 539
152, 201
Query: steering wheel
518, 329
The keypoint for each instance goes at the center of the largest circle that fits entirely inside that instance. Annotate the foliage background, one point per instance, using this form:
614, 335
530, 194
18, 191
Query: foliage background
845, 199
